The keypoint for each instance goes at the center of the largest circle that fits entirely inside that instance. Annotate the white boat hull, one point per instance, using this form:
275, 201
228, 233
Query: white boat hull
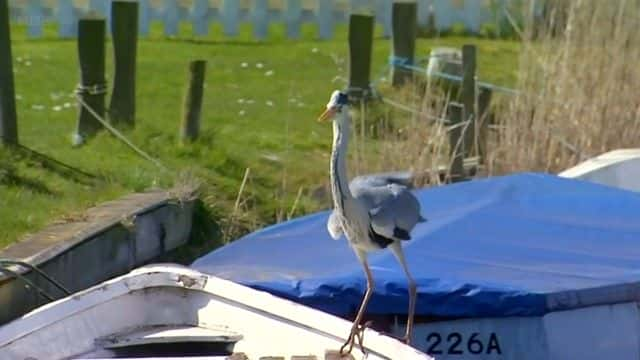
166, 294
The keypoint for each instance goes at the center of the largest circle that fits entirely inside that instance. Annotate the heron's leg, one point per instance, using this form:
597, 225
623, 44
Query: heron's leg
367, 295
396, 248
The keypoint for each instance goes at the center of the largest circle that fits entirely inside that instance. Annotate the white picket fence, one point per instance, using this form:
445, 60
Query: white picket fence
231, 13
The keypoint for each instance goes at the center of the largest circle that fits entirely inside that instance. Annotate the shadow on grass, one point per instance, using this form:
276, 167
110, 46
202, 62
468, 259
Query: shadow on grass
48, 163
11, 179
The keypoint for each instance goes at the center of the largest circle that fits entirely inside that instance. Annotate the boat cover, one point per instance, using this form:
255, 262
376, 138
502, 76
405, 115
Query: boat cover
517, 245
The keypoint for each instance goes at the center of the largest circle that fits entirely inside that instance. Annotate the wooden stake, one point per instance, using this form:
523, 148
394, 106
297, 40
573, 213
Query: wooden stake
468, 95
360, 47
193, 101
92, 88
8, 115
404, 27
124, 25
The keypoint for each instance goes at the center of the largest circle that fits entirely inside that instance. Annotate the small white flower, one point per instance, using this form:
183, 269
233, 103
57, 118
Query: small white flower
293, 100
314, 50
259, 65
268, 73
240, 101
66, 105
244, 65
19, 59
269, 103
242, 112
27, 63
301, 104
37, 107
18, 97
250, 101
57, 108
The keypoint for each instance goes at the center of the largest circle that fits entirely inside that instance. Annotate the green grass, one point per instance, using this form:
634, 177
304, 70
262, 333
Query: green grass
282, 144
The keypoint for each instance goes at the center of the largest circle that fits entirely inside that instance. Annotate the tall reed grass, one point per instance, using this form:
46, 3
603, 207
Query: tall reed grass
578, 96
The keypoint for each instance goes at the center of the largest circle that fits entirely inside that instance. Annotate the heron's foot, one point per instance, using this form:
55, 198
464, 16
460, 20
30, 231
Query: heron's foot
357, 332
347, 347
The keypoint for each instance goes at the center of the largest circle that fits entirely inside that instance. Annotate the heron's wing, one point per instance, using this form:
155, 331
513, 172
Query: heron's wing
393, 209
381, 179
334, 227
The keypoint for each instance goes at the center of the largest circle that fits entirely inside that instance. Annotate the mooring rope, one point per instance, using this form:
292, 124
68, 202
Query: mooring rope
120, 136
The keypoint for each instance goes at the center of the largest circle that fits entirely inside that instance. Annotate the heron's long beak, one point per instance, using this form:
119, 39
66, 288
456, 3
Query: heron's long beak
327, 114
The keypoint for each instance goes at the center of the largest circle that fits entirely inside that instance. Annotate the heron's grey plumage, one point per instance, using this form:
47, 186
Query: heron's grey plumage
389, 201
373, 212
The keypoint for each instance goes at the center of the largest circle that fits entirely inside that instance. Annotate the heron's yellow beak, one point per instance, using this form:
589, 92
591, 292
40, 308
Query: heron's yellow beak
327, 114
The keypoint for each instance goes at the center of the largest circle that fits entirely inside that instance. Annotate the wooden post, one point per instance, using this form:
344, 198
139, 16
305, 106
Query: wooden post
484, 101
124, 24
468, 95
360, 47
93, 87
8, 116
193, 101
404, 29
456, 140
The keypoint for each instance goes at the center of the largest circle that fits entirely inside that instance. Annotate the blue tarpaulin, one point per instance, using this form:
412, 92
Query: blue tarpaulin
518, 245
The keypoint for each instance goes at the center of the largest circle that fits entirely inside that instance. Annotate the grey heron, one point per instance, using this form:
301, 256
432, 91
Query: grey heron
373, 214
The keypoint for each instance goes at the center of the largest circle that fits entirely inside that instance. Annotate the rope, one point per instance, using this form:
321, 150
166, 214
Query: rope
120, 136
95, 89
399, 63
35, 269
402, 62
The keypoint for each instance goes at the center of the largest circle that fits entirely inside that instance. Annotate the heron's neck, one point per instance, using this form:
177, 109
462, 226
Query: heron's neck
338, 168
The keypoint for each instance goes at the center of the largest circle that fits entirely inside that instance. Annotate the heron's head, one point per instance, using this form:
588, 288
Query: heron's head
334, 106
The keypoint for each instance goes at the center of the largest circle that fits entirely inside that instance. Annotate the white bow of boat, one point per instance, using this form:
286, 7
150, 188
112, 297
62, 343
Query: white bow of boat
170, 309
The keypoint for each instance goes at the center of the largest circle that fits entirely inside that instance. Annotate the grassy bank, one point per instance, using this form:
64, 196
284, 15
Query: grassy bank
261, 100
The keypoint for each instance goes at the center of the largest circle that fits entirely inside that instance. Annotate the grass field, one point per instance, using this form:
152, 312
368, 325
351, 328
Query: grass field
261, 101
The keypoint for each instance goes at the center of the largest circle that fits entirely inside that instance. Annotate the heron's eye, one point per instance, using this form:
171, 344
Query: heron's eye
343, 99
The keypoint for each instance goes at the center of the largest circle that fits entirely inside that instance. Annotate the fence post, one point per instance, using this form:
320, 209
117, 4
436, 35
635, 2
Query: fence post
8, 116
171, 17
360, 47
92, 88
404, 30
193, 101
67, 22
468, 95
200, 17
293, 19
324, 14
260, 19
145, 17
124, 24
456, 140
484, 119
35, 18
230, 15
